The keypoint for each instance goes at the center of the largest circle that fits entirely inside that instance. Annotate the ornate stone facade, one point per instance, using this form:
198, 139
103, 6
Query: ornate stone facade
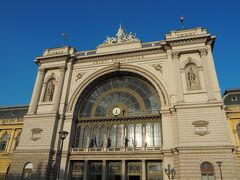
133, 111
11, 123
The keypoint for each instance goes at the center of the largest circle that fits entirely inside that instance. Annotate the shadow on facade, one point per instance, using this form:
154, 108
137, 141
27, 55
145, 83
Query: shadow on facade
38, 174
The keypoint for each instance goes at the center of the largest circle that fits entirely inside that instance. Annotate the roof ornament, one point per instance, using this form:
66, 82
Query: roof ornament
121, 36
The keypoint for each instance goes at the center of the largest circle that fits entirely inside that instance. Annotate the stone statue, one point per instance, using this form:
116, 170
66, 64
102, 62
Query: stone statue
192, 78
50, 91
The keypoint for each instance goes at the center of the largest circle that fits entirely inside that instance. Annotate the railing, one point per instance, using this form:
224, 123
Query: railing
151, 44
116, 149
87, 53
11, 121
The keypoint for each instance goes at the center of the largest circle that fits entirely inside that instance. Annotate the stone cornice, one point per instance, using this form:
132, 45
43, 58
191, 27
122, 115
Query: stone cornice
233, 114
53, 58
105, 56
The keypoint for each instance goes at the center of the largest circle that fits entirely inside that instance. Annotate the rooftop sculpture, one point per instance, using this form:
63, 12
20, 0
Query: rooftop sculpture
121, 36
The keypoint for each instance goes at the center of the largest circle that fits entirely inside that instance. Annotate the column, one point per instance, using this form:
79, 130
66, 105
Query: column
144, 170
58, 92
37, 91
104, 172
207, 77
85, 170
177, 77
11, 140
123, 170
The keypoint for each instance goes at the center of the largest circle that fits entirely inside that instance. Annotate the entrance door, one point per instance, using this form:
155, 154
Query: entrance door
134, 170
134, 177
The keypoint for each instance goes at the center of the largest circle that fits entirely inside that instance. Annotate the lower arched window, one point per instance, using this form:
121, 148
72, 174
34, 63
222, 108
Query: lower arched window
3, 141
27, 171
238, 131
207, 171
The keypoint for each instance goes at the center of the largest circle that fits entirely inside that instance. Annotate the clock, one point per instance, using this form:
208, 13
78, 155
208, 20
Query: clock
116, 111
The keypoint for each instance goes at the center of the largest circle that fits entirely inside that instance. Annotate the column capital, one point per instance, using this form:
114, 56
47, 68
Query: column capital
203, 51
62, 68
42, 70
175, 55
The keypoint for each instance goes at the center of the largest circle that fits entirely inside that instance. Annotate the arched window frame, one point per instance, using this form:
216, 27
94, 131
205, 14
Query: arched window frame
49, 98
4, 141
207, 171
194, 74
17, 140
238, 132
27, 171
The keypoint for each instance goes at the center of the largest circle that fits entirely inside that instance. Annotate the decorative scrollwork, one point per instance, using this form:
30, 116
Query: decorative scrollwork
203, 51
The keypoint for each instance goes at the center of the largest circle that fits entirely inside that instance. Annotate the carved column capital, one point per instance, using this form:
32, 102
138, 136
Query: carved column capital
62, 68
41, 70
203, 51
175, 55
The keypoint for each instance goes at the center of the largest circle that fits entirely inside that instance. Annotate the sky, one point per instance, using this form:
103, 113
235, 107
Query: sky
28, 27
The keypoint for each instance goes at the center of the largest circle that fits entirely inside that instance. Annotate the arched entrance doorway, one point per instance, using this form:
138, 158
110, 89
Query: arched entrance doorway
118, 115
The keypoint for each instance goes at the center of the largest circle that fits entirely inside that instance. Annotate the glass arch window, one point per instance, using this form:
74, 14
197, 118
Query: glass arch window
102, 135
86, 133
238, 131
207, 171
149, 135
120, 94
3, 141
27, 171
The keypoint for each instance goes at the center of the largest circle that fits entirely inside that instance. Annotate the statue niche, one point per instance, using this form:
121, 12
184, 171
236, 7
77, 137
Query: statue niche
50, 88
192, 77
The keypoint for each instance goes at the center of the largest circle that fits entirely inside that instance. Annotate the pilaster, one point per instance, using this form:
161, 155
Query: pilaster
37, 91
177, 75
57, 97
206, 71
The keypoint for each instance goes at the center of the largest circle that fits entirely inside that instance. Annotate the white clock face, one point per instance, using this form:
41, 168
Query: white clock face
116, 111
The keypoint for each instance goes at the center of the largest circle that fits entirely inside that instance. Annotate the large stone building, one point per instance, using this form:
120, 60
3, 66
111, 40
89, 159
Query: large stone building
231, 100
133, 110
11, 123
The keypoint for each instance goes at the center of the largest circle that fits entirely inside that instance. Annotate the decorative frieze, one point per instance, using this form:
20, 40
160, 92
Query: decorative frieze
203, 52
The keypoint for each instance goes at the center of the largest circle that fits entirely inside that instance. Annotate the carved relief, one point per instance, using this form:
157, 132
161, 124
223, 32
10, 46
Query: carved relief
36, 134
192, 77
48, 97
203, 52
78, 76
158, 67
201, 127
175, 55
117, 65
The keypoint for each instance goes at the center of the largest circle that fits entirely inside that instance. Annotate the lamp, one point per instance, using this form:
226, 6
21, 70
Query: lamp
62, 135
219, 163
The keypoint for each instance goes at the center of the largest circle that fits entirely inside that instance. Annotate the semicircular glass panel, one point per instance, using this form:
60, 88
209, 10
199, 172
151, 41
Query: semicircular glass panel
119, 96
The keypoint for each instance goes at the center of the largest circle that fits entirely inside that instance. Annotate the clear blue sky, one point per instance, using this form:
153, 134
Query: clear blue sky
28, 27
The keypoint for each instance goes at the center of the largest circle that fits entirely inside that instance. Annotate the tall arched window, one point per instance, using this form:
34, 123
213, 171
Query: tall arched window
238, 131
78, 141
17, 140
102, 135
120, 135
50, 88
3, 141
207, 171
131, 142
113, 135
86, 133
157, 135
27, 171
95, 134
149, 135
192, 77
138, 135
